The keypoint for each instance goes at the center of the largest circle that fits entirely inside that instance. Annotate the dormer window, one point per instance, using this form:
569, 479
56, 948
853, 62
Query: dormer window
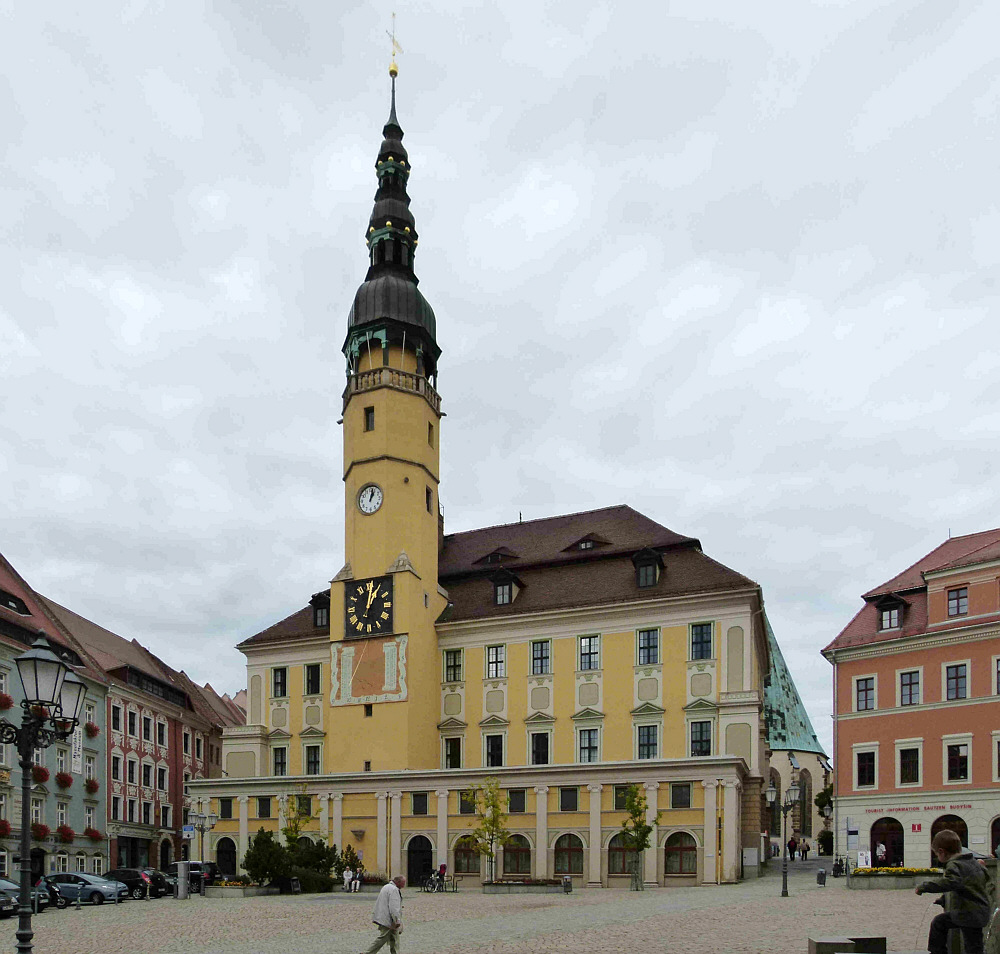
503, 593
14, 603
889, 618
645, 574
321, 616
890, 611
585, 545
648, 564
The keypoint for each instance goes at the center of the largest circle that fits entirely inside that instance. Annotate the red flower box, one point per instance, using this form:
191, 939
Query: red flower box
39, 831
93, 834
91, 786
92, 729
6, 702
64, 779
4, 828
65, 834
40, 774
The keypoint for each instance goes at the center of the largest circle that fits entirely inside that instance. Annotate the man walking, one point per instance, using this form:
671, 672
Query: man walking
388, 916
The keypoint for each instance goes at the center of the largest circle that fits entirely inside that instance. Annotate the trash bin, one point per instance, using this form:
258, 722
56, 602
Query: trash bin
294, 886
821, 877
567, 884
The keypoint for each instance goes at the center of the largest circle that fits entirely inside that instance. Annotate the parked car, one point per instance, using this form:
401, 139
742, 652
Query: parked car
39, 896
140, 881
196, 871
88, 887
7, 905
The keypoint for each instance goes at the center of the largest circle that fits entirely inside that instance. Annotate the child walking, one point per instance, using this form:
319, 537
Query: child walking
967, 880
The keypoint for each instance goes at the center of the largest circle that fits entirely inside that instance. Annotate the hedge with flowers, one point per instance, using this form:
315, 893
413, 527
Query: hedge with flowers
39, 831
91, 786
40, 774
64, 779
65, 834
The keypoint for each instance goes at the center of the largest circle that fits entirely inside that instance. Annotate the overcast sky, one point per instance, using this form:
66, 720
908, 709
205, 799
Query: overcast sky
733, 264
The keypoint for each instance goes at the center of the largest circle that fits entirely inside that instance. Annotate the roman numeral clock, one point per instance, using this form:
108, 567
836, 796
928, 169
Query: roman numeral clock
368, 607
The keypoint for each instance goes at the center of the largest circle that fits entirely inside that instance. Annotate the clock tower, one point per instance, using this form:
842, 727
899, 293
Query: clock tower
385, 600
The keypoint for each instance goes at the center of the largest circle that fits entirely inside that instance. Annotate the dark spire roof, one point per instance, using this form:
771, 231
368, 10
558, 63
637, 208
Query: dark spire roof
389, 293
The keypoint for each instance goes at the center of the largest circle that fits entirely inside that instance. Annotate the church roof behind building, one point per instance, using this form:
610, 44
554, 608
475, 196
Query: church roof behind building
788, 725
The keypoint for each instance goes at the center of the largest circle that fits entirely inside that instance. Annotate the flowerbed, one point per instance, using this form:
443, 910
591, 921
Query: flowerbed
527, 886
238, 891
889, 879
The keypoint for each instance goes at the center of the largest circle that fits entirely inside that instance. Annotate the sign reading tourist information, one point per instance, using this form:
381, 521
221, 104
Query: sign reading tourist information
916, 808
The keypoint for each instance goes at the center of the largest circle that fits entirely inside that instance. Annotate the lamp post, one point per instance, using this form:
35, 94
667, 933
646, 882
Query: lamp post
52, 703
790, 801
203, 824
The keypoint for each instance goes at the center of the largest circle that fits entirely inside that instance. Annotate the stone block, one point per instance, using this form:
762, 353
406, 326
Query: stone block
831, 945
869, 945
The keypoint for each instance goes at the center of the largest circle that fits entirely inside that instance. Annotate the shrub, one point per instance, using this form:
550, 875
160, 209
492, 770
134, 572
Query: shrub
65, 834
39, 831
64, 779
825, 841
40, 774
312, 881
92, 729
265, 859
91, 786
6, 702
4, 828
93, 834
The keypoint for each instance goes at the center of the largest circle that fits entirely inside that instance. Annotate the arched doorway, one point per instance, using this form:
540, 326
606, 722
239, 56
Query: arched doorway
888, 832
680, 854
419, 860
569, 854
949, 823
165, 852
517, 856
994, 836
37, 863
225, 857
805, 808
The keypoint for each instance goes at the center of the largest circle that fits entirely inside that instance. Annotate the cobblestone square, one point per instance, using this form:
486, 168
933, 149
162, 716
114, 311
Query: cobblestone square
744, 918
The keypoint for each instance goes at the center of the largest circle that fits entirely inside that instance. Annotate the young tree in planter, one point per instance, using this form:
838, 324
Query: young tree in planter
636, 831
491, 832
265, 859
295, 819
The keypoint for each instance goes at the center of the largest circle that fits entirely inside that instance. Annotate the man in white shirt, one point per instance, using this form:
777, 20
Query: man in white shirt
388, 916
348, 878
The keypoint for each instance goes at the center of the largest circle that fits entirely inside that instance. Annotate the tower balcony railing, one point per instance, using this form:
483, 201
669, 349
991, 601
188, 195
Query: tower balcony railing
392, 378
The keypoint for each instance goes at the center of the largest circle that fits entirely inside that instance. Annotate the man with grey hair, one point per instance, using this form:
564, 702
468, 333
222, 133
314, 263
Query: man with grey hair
388, 916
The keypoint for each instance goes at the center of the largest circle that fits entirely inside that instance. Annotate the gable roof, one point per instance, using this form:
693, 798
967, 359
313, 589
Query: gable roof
299, 625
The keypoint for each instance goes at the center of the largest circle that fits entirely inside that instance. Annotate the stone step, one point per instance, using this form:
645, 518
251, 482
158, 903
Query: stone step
831, 945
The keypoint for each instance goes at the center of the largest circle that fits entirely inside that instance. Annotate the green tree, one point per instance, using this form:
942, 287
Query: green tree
824, 797
297, 816
265, 859
491, 832
636, 831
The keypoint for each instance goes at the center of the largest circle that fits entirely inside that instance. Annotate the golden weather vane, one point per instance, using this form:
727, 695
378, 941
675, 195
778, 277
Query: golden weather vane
396, 48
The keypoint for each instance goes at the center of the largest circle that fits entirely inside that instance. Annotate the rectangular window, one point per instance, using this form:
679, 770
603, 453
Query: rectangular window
89, 816
541, 657
515, 801
569, 799
61, 810
496, 664
369, 418
430, 434
503, 593
147, 729
494, 750
647, 741
147, 813
131, 810
621, 794
701, 738
958, 763
909, 688
649, 647
452, 753
133, 724
312, 760
116, 808
680, 795
187, 743
958, 601
909, 766
89, 767
161, 733
279, 682
590, 652
645, 574
263, 806
61, 755
539, 748
369, 710
864, 693
38, 755
701, 641
418, 803
147, 776
889, 618
116, 718
429, 500
467, 803
161, 779
98, 864
312, 679
955, 676
453, 665
133, 767
165, 816
280, 762
997, 677
866, 769
303, 805
588, 745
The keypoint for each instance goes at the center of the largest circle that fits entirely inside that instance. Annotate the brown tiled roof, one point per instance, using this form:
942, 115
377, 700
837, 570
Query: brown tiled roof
957, 551
297, 626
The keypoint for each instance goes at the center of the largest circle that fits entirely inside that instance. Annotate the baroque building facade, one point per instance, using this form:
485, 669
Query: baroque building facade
569, 657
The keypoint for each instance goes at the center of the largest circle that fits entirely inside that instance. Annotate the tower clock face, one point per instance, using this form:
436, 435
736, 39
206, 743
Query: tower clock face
370, 498
368, 607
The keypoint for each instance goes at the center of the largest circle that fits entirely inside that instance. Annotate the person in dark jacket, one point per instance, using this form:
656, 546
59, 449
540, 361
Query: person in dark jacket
970, 906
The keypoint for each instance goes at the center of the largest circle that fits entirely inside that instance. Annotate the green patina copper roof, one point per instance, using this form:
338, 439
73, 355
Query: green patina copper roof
788, 725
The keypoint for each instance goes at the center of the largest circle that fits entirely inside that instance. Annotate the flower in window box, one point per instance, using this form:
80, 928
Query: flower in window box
64, 779
4, 828
6, 702
91, 786
65, 834
92, 729
40, 774
93, 834
39, 831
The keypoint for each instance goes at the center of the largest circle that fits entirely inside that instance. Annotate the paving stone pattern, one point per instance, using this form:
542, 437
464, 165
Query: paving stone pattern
743, 919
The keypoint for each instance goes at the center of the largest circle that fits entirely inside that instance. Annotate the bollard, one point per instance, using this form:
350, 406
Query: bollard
821, 877
79, 894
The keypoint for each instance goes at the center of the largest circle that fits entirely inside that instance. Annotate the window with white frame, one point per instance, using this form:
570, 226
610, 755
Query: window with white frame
588, 745
133, 771
147, 775
957, 757
956, 680
889, 618
89, 713
161, 733
3, 680
496, 662
864, 693
37, 810
701, 640
197, 747
89, 767
4, 863
909, 759
61, 863
3, 805
909, 687
161, 779
116, 768
133, 724
590, 652
38, 756
958, 601
98, 864
147, 813
116, 718
62, 757
165, 816
81, 862
89, 817
62, 811
312, 760
116, 808
865, 769
453, 752
132, 810
187, 743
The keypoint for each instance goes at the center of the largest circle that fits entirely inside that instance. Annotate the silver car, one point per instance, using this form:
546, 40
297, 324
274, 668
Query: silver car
88, 887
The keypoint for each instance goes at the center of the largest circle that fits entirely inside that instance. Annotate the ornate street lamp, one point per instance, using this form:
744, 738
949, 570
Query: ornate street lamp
203, 824
52, 703
790, 801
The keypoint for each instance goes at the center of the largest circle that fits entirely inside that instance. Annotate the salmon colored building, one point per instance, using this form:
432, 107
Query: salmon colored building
917, 707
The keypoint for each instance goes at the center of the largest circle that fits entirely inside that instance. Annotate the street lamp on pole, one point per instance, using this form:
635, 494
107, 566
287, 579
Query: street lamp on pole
52, 703
790, 801
203, 823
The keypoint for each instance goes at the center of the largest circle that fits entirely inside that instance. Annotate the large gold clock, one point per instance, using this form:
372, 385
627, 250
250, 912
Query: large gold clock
368, 607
